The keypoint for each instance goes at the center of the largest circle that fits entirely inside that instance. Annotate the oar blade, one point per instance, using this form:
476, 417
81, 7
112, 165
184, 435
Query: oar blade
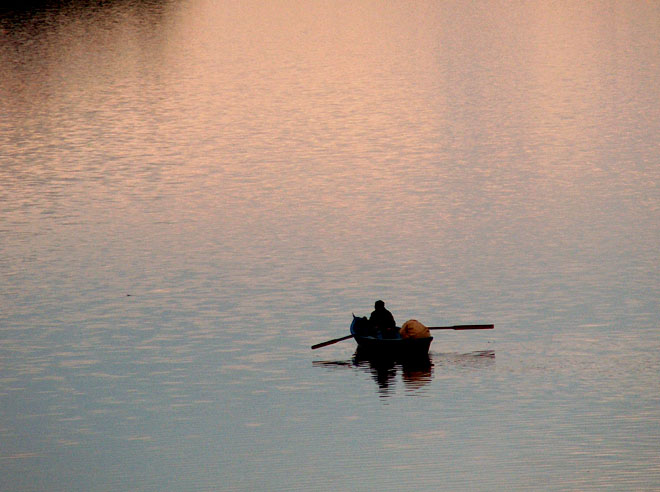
474, 327
330, 342
463, 327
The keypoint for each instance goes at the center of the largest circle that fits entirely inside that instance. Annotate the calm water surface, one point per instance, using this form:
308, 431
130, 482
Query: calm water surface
193, 192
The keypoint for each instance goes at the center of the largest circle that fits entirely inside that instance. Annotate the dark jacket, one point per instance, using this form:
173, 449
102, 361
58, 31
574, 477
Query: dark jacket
383, 321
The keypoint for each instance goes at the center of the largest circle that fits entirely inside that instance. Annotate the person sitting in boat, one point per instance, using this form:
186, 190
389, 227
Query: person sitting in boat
383, 321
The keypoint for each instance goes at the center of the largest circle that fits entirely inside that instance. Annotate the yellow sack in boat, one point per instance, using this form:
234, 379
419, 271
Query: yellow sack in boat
414, 329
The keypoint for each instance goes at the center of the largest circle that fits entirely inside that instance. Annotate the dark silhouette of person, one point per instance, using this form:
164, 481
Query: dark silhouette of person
383, 321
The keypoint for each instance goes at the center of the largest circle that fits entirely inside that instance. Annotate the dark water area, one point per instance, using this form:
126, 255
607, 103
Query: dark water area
414, 373
194, 192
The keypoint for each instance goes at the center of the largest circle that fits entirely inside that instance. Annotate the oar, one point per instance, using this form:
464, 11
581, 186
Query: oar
455, 327
463, 327
330, 342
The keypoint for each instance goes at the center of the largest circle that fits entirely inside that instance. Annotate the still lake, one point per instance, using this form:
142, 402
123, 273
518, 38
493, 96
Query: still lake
193, 192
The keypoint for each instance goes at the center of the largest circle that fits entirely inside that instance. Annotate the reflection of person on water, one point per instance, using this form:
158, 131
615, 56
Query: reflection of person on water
382, 321
416, 373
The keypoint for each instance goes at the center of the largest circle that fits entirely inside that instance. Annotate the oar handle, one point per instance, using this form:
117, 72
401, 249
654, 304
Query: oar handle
463, 327
330, 342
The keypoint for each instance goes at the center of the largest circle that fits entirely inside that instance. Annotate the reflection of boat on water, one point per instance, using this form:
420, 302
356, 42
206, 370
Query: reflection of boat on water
396, 348
416, 373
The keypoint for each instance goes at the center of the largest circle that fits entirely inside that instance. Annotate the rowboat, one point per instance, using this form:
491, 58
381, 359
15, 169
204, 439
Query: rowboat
370, 344
361, 330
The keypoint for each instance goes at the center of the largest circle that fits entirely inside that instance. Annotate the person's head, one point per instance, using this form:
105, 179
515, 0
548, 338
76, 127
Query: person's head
379, 305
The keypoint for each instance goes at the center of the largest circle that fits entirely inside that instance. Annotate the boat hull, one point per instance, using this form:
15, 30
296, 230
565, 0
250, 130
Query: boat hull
389, 347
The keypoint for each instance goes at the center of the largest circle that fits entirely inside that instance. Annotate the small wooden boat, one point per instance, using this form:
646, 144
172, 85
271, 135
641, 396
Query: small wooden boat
376, 345
368, 341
